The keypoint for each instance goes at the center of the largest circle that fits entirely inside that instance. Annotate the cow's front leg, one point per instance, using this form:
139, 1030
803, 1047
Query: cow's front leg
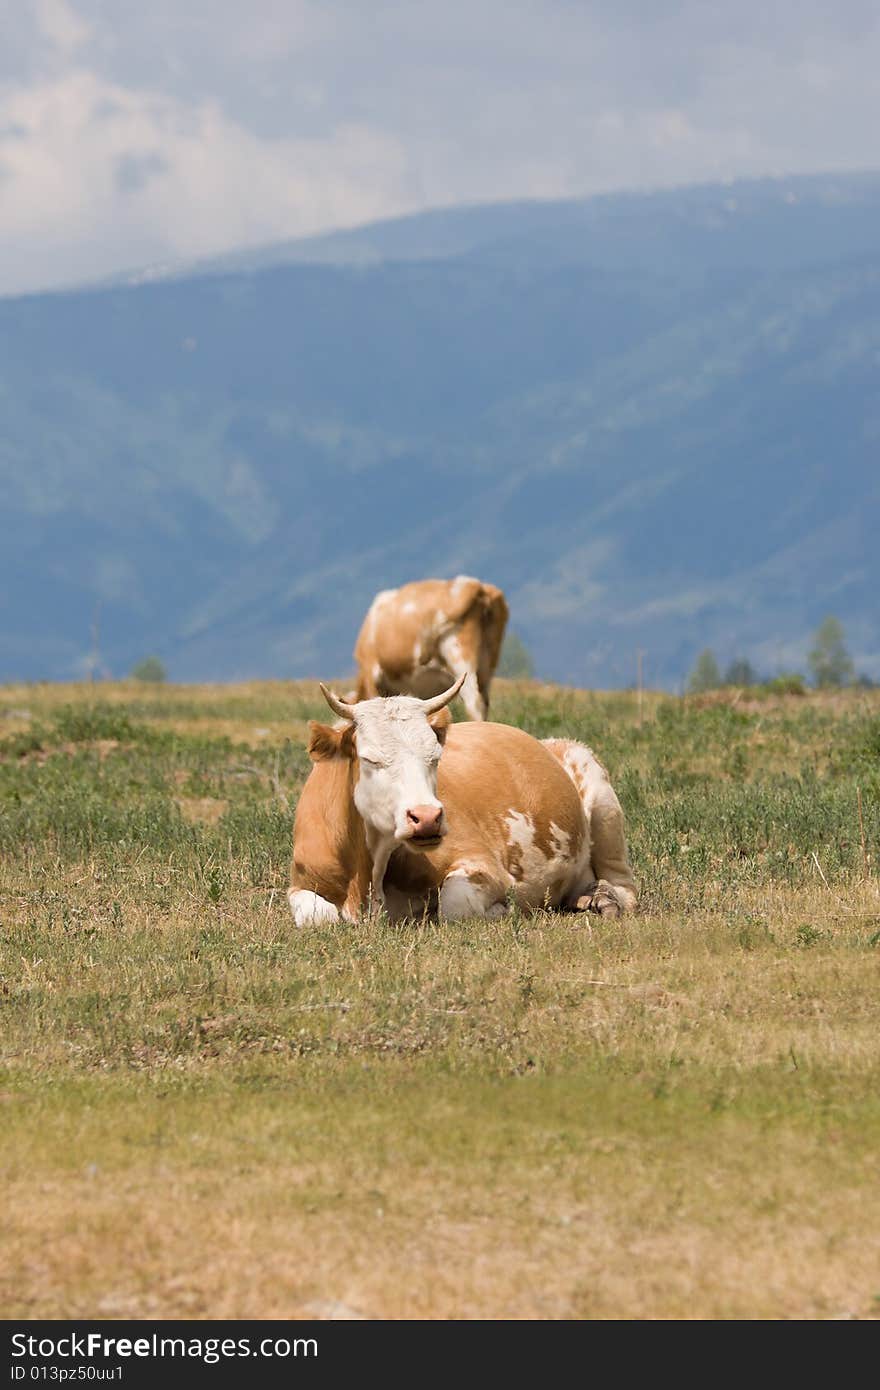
471, 892
380, 851
310, 909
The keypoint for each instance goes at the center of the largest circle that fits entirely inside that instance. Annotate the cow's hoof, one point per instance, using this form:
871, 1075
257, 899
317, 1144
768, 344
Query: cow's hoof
601, 899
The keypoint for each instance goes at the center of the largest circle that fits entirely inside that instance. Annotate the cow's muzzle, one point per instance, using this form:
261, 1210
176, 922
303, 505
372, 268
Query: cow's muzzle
424, 826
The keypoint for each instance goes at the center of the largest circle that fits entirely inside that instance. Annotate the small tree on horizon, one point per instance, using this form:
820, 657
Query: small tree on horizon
705, 675
150, 669
740, 672
829, 661
515, 661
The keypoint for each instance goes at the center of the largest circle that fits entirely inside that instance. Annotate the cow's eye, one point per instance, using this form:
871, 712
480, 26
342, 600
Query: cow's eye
371, 762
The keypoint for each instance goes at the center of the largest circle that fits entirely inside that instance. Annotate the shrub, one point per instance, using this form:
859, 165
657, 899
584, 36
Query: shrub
789, 683
150, 669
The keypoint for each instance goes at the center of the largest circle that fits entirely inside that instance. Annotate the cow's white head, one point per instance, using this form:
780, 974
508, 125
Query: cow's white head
397, 742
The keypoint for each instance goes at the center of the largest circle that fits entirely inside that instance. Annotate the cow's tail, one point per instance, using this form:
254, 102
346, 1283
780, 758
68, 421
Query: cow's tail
610, 856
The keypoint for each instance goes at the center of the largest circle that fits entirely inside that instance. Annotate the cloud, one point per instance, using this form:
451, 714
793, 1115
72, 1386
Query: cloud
59, 24
191, 126
101, 177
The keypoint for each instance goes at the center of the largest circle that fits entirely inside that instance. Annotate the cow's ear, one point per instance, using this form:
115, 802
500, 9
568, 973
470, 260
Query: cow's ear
440, 722
325, 741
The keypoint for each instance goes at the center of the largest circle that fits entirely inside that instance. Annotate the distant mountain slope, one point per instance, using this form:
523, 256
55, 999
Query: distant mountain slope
667, 452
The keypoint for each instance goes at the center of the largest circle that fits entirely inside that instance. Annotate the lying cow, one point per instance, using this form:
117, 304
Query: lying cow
418, 638
385, 821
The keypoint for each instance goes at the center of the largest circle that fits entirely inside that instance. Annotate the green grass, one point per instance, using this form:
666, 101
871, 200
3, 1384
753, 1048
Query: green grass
208, 1113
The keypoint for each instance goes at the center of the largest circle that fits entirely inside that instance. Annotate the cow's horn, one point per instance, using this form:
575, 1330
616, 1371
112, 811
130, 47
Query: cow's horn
338, 706
439, 701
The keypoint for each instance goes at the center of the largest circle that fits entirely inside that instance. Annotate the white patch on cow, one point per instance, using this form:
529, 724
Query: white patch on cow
310, 909
521, 836
408, 607
460, 897
521, 830
543, 877
587, 773
585, 770
460, 581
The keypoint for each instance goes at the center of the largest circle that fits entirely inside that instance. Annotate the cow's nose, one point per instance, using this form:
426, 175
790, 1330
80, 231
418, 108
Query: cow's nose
423, 822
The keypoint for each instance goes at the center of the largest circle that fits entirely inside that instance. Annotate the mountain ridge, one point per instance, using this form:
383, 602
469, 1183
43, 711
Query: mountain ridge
851, 199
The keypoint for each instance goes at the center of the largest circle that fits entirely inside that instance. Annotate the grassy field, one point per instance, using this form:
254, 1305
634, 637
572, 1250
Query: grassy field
208, 1114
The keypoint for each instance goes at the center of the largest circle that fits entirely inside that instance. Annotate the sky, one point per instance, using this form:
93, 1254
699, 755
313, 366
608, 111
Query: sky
133, 134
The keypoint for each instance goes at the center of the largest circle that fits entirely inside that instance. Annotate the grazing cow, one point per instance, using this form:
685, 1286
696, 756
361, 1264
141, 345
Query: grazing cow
418, 638
385, 821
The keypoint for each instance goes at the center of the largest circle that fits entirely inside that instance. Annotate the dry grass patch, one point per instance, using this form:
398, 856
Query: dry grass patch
398, 1196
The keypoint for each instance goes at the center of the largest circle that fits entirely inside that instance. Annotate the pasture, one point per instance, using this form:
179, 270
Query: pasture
205, 1113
